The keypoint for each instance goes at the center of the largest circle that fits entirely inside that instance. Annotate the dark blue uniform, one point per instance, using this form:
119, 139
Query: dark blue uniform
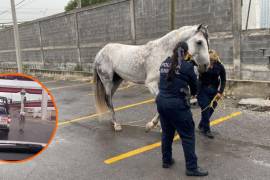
211, 82
174, 110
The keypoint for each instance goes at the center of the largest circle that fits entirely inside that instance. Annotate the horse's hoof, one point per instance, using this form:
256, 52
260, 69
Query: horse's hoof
149, 126
117, 127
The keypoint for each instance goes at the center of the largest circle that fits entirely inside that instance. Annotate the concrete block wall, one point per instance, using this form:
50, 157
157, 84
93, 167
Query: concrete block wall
152, 19
8, 58
252, 42
6, 40
87, 57
59, 42
29, 35
215, 13
59, 31
255, 62
30, 43
98, 26
105, 24
224, 47
60, 59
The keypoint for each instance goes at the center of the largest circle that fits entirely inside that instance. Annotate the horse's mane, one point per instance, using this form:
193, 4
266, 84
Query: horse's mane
175, 34
170, 34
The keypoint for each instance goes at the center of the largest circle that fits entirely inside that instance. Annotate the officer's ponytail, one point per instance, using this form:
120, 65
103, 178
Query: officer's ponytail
178, 55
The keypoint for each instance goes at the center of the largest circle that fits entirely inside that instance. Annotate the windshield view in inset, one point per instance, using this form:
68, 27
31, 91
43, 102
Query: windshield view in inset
27, 117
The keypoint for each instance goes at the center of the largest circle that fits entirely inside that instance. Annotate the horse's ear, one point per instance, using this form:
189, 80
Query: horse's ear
199, 27
206, 26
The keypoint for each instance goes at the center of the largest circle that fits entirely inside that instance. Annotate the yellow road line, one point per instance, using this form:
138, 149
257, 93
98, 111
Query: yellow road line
78, 119
119, 89
222, 119
132, 153
74, 85
136, 104
116, 109
52, 81
124, 88
132, 122
136, 151
158, 144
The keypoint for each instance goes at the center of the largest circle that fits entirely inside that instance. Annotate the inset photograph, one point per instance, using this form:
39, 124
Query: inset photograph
28, 117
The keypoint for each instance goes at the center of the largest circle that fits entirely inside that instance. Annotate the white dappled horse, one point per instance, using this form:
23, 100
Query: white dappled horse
140, 64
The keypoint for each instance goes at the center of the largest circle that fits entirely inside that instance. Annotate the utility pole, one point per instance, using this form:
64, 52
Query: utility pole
16, 37
79, 3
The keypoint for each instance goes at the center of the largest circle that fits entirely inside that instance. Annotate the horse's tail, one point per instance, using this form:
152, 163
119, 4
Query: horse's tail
100, 94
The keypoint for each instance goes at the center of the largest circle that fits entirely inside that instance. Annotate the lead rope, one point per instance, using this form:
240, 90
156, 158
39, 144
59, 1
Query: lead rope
211, 105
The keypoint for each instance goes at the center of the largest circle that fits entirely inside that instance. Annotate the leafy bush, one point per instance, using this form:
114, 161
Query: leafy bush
72, 4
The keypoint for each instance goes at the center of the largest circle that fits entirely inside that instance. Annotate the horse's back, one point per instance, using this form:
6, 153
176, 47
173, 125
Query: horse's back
125, 60
114, 50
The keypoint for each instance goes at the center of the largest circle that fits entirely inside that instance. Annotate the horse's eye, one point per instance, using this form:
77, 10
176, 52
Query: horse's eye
199, 42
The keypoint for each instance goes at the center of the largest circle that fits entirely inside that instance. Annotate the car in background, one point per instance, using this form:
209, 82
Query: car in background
5, 119
4, 103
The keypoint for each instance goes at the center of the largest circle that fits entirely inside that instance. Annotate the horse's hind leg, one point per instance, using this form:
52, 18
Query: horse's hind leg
117, 80
117, 126
111, 88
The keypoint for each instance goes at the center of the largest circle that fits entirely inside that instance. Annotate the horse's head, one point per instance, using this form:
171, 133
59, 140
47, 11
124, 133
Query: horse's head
198, 45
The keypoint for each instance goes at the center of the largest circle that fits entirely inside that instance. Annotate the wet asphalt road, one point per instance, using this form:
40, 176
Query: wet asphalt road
241, 149
35, 130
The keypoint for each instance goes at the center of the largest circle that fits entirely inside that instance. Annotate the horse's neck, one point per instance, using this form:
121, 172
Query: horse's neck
161, 48
169, 41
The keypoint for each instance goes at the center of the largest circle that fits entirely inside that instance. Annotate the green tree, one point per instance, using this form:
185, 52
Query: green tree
72, 4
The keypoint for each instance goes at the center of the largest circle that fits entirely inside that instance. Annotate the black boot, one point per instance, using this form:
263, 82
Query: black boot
197, 172
207, 134
200, 129
168, 164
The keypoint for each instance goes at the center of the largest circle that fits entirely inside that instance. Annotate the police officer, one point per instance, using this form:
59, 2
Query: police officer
176, 75
212, 84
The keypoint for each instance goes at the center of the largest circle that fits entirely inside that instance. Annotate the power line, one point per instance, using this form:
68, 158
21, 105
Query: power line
34, 12
30, 1
20, 3
40, 12
11, 23
35, 8
4, 12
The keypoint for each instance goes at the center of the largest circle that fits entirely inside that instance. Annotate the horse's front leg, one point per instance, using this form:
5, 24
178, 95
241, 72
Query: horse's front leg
153, 123
153, 88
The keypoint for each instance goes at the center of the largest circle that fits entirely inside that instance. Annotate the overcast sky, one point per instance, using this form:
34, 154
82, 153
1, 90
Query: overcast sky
31, 9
